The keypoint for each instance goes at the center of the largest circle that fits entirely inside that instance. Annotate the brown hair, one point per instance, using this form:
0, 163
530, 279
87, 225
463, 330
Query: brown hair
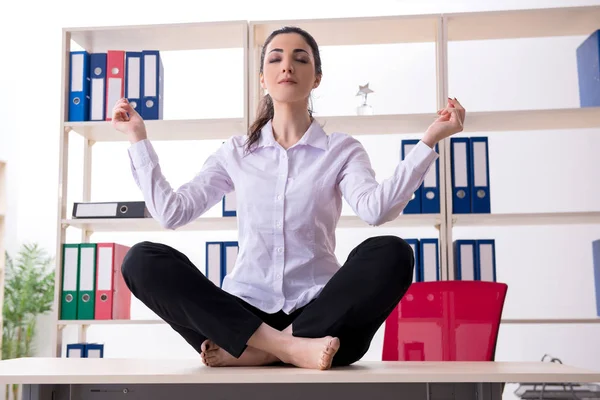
265, 110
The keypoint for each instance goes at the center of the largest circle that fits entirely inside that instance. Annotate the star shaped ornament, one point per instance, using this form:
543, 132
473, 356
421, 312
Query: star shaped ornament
363, 90
364, 108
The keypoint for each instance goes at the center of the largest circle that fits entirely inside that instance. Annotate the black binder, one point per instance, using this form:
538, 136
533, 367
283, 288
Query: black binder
111, 209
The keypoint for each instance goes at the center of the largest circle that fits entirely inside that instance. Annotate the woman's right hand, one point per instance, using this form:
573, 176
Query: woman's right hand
125, 119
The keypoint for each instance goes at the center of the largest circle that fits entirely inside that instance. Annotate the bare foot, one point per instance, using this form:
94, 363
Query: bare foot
214, 356
312, 353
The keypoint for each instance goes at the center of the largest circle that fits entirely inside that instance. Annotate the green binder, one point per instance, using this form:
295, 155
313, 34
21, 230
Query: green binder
87, 281
70, 279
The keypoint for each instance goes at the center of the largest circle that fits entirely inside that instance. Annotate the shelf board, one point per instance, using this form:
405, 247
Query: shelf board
112, 322
528, 23
558, 218
546, 321
512, 321
377, 124
478, 121
522, 120
163, 37
228, 223
187, 129
357, 31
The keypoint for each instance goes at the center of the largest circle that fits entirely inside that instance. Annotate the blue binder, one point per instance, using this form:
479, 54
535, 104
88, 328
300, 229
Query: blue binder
79, 86
479, 176
429, 266
588, 70
75, 350
465, 260
214, 262
133, 79
230, 252
94, 350
430, 189
596, 262
414, 243
97, 86
414, 205
152, 85
229, 205
459, 165
486, 260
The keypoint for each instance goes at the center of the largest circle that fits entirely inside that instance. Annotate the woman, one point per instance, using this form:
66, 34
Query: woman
287, 299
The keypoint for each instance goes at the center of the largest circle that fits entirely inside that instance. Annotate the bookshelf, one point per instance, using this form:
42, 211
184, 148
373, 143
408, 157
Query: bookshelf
439, 29
2, 240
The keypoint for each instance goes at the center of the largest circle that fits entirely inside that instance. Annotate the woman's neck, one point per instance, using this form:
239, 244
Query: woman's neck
290, 122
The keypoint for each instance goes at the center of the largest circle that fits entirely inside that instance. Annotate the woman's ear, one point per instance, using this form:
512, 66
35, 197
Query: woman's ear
262, 81
317, 82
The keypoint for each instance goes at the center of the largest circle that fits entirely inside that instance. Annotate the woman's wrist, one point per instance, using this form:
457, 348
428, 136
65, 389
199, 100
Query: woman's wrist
429, 140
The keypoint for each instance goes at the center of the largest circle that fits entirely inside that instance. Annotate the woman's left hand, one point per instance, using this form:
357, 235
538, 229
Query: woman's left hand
450, 121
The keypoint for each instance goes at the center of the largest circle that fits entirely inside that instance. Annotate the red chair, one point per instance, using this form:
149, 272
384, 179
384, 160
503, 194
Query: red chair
445, 321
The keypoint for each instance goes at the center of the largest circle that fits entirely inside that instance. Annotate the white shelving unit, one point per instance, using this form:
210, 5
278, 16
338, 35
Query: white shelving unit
433, 28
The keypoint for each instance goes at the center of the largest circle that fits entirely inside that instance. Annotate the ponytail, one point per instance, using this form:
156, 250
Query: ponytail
264, 115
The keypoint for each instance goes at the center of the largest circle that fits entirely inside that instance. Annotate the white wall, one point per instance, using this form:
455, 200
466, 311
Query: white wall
548, 269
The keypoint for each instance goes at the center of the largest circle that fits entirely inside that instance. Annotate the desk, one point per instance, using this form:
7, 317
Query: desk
149, 379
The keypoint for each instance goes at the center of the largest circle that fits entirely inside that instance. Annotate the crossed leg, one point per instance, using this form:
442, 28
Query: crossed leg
348, 312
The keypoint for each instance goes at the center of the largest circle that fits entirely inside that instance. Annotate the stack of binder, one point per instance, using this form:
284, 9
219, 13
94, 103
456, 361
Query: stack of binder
475, 260
85, 350
98, 80
93, 287
426, 200
220, 260
427, 260
470, 175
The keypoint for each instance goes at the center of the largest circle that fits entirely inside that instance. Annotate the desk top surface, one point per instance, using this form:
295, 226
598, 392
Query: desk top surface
114, 370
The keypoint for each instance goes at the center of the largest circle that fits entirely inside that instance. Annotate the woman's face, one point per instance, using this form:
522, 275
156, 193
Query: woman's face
289, 69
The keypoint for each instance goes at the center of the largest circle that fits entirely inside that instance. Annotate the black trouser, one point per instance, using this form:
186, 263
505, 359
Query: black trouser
352, 306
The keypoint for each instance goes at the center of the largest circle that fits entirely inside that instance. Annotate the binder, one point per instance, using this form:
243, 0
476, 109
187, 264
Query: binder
133, 79
214, 262
111, 209
588, 70
596, 266
414, 205
79, 86
414, 244
97, 86
113, 297
459, 166
465, 259
230, 204
430, 189
87, 281
115, 84
429, 260
75, 350
94, 350
152, 85
70, 279
85, 350
479, 177
486, 260
230, 253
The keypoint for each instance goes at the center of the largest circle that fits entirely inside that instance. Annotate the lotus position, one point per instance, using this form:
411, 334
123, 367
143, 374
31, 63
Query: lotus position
288, 299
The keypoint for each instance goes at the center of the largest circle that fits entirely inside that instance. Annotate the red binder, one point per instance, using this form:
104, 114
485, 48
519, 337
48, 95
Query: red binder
113, 297
115, 81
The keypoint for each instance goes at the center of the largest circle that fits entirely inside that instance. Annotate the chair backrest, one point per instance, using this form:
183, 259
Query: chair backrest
445, 321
